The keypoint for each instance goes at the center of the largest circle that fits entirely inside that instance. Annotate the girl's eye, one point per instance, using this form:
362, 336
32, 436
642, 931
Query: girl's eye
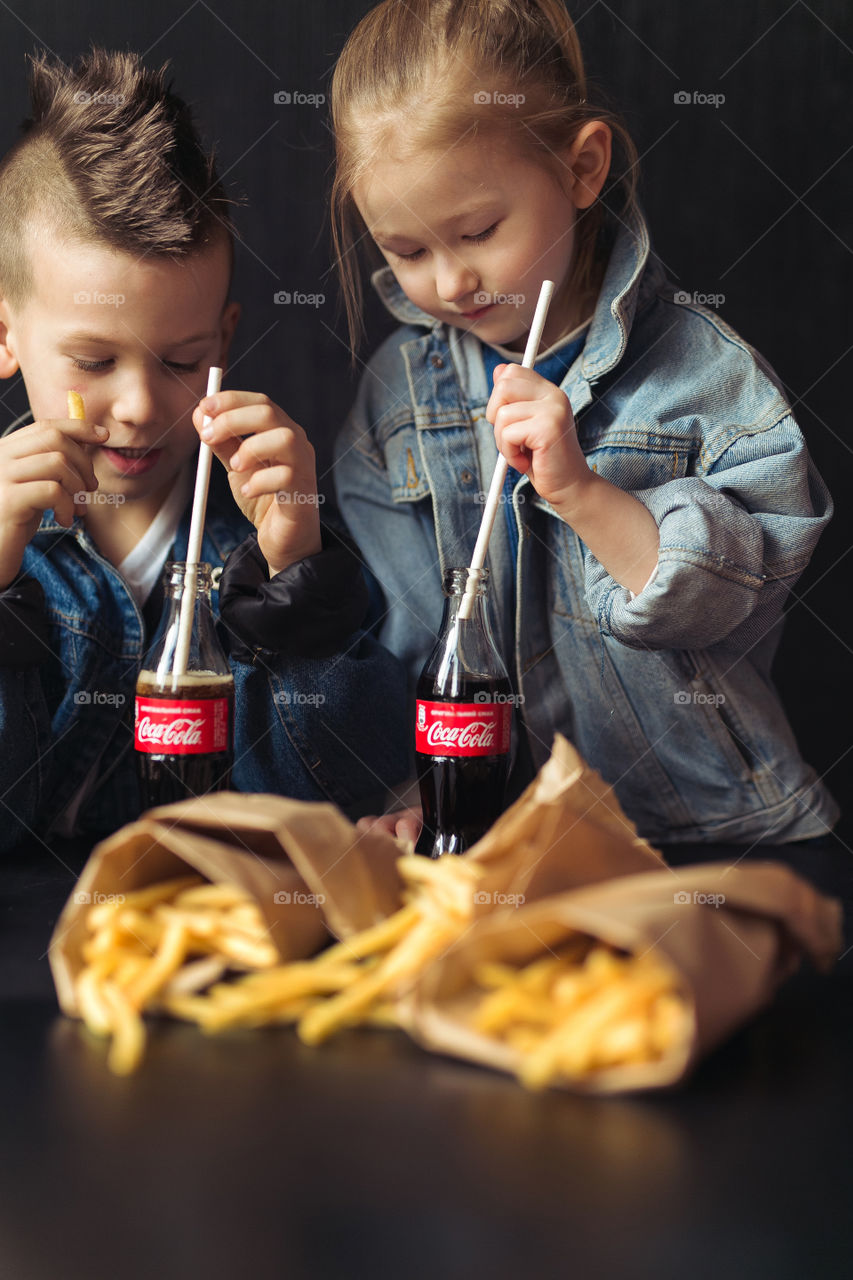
410, 257
91, 366
182, 368
483, 235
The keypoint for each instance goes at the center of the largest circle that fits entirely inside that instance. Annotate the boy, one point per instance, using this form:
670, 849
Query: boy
115, 261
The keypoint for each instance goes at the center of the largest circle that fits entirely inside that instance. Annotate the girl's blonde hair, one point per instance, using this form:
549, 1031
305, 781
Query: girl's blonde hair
433, 73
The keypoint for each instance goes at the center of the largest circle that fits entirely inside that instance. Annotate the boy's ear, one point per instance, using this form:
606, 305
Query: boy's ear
227, 325
8, 359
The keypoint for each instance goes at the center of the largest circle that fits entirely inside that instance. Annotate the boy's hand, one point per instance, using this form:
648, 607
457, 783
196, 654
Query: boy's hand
269, 456
42, 466
535, 432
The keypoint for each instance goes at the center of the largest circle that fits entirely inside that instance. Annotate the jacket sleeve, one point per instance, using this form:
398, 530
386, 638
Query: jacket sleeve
732, 544
319, 700
25, 732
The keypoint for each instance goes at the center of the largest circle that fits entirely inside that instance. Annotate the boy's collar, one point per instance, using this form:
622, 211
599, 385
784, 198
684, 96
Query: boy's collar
221, 522
614, 312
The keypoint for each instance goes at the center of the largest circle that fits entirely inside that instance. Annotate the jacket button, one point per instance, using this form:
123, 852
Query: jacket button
465, 476
437, 362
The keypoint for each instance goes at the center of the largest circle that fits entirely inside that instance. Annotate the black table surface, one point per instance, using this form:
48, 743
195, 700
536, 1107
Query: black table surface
251, 1155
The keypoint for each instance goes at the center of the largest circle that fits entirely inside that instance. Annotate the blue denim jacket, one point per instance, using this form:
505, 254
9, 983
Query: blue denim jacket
302, 724
668, 694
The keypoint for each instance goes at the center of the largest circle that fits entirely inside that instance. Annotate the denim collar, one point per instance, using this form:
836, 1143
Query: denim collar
625, 279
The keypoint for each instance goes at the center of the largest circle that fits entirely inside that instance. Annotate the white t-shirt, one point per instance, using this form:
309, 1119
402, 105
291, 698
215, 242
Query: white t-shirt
142, 566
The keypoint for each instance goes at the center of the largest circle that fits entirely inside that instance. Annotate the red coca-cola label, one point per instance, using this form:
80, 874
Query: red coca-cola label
181, 727
462, 728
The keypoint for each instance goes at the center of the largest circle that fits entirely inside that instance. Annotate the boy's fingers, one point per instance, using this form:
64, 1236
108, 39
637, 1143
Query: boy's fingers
220, 403
267, 446
54, 467
277, 480
46, 495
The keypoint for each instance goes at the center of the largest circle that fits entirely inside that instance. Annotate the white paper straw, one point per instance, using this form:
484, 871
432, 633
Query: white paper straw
482, 544
202, 482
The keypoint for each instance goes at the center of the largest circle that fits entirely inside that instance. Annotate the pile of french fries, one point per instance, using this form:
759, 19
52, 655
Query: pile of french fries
581, 1009
201, 952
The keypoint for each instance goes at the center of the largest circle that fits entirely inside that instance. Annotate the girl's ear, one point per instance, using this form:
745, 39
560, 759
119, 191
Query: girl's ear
8, 359
589, 163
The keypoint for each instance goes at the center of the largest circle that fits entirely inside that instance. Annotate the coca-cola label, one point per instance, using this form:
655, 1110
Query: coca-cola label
462, 728
181, 727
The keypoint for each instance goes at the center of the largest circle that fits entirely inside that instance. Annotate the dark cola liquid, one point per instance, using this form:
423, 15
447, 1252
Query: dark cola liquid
165, 778
461, 796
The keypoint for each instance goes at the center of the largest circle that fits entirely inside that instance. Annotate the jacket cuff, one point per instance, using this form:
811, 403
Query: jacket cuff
307, 611
24, 639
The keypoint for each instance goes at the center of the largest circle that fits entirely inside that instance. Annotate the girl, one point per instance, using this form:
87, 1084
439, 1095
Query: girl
661, 502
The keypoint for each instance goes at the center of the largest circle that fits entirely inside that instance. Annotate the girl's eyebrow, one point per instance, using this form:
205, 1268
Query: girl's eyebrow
474, 211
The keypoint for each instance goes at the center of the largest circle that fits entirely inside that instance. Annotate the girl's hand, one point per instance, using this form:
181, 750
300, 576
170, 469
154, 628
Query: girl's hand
405, 824
535, 432
271, 471
42, 466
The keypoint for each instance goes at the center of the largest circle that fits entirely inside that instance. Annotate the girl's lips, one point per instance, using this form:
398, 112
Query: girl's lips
132, 462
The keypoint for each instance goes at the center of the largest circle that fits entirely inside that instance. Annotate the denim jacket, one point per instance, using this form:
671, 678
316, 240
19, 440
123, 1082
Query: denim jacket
668, 693
302, 726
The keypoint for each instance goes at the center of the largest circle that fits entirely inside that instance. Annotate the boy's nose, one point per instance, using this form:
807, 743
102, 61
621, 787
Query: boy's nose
135, 403
455, 280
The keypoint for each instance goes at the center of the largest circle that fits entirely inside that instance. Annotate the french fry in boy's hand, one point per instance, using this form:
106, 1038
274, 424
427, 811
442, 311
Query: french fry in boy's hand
271, 470
76, 408
582, 1010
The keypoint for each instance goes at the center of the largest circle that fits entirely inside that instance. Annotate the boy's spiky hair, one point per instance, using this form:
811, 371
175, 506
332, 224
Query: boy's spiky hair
109, 154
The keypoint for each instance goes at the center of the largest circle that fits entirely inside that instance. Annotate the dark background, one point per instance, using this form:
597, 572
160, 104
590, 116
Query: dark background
748, 199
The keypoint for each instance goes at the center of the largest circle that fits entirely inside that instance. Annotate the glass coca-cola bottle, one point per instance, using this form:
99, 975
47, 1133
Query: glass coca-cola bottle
463, 718
184, 723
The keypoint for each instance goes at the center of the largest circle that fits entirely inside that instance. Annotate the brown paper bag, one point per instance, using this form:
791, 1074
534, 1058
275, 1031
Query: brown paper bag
566, 830
731, 934
304, 865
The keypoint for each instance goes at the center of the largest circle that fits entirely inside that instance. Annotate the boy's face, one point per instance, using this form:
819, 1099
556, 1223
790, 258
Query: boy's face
134, 337
471, 234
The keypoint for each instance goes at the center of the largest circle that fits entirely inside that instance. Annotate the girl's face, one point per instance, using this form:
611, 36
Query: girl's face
472, 232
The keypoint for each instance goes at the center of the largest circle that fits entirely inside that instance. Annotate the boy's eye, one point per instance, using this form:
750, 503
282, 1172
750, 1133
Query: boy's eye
410, 257
182, 368
91, 366
483, 235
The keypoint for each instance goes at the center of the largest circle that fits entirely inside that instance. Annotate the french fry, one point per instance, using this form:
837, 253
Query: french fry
76, 408
580, 1011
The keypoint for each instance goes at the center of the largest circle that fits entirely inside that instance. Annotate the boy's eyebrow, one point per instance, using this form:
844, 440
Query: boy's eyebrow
84, 335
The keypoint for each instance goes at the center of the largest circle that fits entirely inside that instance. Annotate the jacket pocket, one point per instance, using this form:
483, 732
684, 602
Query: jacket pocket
406, 472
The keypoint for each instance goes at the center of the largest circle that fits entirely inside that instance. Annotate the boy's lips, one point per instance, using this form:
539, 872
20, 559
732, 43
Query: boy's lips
480, 311
131, 462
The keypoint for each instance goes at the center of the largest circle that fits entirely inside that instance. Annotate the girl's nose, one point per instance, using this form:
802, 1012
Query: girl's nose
455, 280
